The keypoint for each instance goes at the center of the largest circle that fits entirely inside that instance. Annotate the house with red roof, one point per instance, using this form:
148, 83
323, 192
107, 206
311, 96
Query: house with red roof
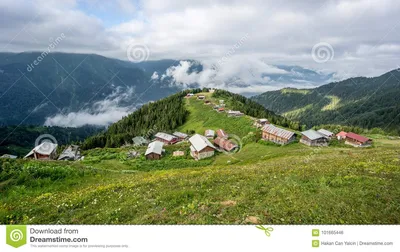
225, 144
341, 135
357, 140
221, 133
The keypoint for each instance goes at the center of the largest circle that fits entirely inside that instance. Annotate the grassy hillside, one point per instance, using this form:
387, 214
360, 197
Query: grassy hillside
362, 102
262, 183
202, 117
301, 186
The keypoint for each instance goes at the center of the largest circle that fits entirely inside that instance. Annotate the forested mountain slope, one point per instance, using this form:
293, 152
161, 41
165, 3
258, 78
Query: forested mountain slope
363, 102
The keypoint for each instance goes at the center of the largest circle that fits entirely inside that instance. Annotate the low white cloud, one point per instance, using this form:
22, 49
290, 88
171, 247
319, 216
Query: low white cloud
250, 76
100, 113
154, 76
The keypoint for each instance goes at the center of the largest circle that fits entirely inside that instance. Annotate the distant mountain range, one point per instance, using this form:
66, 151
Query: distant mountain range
64, 84
64, 89
364, 102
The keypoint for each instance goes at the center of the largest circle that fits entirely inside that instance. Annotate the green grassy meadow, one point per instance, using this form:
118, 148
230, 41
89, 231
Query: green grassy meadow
262, 183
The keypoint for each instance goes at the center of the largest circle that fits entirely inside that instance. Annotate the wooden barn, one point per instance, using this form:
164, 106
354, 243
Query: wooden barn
277, 135
201, 147
166, 138
313, 138
181, 136
357, 140
44, 151
71, 153
235, 113
225, 144
326, 133
154, 150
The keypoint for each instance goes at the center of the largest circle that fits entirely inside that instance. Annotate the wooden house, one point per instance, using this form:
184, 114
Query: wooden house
207, 102
234, 113
326, 133
313, 138
225, 144
71, 153
44, 151
209, 133
277, 135
357, 140
341, 135
259, 123
166, 138
201, 97
221, 133
201, 147
181, 136
154, 150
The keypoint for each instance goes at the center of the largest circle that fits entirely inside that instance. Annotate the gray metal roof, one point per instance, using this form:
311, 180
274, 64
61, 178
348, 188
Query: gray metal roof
200, 142
155, 147
71, 152
180, 134
312, 134
286, 134
165, 136
326, 132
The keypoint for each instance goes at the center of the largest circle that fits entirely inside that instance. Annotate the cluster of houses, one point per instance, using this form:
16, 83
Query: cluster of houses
309, 137
201, 146
217, 107
48, 151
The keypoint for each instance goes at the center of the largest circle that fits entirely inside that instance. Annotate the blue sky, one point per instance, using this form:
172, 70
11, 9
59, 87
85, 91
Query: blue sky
110, 12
